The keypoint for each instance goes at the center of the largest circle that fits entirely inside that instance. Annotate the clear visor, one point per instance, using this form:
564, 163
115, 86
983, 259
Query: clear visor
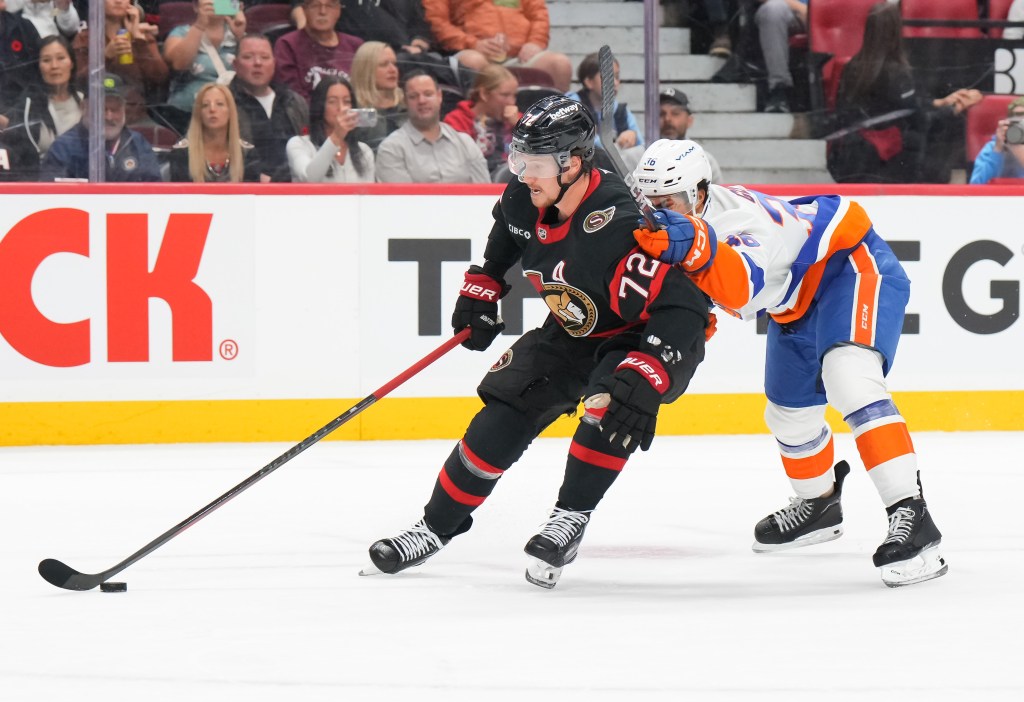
678, 202
537, 165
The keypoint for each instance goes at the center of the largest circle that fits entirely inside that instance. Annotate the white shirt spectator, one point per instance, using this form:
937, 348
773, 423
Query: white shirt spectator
47, 16
406, 156
311, 165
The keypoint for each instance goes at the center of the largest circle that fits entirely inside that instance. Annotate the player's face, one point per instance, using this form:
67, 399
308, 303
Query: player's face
677, 203
544, 189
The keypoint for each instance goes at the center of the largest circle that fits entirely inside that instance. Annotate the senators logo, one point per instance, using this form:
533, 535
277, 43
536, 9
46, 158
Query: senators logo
573, 309
596, 220
503, 362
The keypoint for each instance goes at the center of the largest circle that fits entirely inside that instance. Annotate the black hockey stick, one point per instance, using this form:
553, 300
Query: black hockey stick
606, 63
61, 575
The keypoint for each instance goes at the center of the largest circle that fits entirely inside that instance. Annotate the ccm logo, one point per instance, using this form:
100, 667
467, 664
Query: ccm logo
130, 284
479, 292
652, 374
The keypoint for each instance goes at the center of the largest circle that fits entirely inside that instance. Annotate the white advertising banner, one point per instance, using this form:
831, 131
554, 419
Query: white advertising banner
166, 297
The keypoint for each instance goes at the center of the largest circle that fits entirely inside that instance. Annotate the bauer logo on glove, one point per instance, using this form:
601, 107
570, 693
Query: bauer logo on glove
686, 240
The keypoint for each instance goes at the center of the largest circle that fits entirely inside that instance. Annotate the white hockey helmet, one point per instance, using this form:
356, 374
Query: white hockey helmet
673, 167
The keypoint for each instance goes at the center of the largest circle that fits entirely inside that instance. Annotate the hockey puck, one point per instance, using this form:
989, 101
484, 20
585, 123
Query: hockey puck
114, 587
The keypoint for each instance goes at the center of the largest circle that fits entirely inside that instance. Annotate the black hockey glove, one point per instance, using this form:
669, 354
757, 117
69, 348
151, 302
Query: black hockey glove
477, 308
636, 388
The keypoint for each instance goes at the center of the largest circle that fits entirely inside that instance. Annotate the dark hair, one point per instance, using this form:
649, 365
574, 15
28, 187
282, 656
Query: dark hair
588, 68
881, 53
256, 35
59, 39
416, 74
317, 105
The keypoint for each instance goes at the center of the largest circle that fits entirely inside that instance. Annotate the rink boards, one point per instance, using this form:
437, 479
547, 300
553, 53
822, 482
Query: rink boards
247, 313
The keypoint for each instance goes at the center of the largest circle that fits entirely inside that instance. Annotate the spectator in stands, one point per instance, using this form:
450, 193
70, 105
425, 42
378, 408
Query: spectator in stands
910, 138
1002, 157
46, 109
213, 151
776, 20
50, 17
201, 53
330, 152
1015, 14
316, 50
717, 15
131, 48
488, 117
269, 113
375, 82
676, 118
482, 31
425, 149
130, 158
628, 137
398, 23
19, 51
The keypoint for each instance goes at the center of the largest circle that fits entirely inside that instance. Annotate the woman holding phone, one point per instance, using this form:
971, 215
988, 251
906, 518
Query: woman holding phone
330, 153
204, 51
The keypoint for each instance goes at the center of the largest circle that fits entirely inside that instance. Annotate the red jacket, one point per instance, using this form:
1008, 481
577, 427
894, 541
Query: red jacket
458, 24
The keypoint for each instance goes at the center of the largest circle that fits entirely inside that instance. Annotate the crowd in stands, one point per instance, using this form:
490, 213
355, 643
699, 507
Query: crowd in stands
420, 90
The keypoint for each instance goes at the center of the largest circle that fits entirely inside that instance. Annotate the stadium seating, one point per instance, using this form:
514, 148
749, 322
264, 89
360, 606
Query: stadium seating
997, 10
835, 32
273, 19
174, 14
941, 10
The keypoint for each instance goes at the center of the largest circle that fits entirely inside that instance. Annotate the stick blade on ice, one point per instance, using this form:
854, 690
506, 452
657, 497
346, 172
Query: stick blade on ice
64, 576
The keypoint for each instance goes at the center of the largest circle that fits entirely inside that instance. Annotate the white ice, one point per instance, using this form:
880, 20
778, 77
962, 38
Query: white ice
261, 600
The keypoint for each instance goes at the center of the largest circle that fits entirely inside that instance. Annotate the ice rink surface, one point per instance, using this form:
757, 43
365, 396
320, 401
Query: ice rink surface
261, 600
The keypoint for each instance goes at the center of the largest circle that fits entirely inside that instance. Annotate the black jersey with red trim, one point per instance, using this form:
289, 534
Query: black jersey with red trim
589, 270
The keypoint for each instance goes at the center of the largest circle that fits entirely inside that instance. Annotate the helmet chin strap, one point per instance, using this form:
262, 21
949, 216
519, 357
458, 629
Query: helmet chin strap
563, 188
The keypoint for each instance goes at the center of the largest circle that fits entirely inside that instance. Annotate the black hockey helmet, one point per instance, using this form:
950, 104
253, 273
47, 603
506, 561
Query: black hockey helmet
553, 125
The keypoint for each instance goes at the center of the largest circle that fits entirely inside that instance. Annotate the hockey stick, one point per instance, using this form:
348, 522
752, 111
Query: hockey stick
61, 575
606, 64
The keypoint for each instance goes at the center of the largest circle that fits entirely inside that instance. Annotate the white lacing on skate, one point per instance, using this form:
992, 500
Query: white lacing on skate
794, 515
900, 523
563, 525
418, 540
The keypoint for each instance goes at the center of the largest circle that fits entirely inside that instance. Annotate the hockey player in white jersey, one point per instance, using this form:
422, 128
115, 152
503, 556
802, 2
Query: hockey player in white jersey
835, 295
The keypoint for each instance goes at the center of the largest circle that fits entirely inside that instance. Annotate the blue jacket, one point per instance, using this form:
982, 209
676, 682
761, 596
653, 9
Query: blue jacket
991, 164
133, 162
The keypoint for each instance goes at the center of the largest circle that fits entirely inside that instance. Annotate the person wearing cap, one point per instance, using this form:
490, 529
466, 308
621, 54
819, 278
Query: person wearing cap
676, 118
1003, 155
129, 157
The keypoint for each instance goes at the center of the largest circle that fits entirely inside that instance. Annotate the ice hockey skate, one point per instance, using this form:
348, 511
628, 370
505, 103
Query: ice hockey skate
555, 546
410, 548
910, 552
804, 522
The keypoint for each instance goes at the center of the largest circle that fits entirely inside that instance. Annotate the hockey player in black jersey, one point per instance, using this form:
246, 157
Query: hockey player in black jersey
625, 334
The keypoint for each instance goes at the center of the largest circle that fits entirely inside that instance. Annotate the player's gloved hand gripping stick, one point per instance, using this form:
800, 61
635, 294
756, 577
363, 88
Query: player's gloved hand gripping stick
477, 308
61, 575
683, 239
